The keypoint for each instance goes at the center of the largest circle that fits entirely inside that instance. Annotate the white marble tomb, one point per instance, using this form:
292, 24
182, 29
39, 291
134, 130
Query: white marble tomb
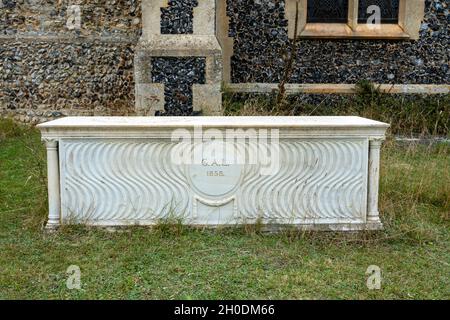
311, 172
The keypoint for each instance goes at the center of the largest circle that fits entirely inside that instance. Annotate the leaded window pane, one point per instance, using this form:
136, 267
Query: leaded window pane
327, 11
389, 10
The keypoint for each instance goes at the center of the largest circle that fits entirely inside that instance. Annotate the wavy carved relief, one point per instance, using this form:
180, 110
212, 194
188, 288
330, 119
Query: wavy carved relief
134, 181
317, 180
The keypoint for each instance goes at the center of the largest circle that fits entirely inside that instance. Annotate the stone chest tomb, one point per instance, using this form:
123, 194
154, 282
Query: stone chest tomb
311, 172
314, 173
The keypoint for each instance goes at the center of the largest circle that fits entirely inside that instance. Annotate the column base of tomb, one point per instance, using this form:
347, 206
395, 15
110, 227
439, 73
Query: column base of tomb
332, 227
51, 228
150, 96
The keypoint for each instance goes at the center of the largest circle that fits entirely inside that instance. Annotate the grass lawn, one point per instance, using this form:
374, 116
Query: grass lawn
172, 262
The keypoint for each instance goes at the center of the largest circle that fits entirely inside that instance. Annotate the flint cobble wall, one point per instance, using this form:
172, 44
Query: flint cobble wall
49, 69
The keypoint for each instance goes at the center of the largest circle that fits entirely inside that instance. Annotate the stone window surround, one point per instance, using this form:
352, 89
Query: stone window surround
410, 17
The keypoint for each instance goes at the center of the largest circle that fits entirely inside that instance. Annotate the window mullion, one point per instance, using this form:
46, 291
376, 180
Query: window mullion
291, 6
353, 6
402, 14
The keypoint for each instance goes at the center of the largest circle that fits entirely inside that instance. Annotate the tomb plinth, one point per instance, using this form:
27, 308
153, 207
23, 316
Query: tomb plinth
190, 48
319, 173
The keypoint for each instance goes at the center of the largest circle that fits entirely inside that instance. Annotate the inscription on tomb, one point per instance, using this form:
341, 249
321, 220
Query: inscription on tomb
215, 176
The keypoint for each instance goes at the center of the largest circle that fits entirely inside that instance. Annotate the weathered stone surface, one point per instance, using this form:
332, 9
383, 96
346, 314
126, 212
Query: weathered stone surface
208, 99
52, 79
150, 98
99, 17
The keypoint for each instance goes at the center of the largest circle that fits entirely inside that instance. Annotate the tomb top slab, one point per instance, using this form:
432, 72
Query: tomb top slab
216, 122
138, 126
316, 172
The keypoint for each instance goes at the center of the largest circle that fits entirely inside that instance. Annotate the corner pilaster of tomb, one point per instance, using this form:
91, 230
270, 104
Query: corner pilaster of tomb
53, 187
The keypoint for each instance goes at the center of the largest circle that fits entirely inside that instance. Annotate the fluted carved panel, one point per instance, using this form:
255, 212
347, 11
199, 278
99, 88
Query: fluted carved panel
134, 181
318, 180
117, 181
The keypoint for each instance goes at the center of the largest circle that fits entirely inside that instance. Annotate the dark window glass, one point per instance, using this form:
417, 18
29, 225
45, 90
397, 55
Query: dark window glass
389, 10
327, 11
